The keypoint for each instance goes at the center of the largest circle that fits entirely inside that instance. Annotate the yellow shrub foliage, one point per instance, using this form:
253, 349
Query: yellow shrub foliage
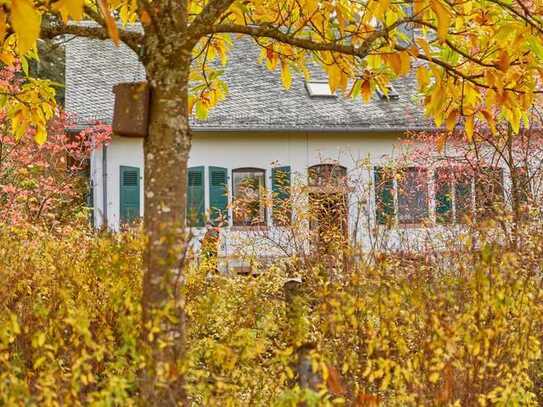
462, 332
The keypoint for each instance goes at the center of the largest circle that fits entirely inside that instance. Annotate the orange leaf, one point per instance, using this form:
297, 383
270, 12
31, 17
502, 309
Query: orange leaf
504, 61
365, 89
145, 18
440, 142
366, 400
334, 382
110, 22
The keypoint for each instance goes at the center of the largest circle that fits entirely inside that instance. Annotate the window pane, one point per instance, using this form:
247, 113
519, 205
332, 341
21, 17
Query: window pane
384, 198
413, 195
489, 192
249, 208
443, 183
463, 194
326, 174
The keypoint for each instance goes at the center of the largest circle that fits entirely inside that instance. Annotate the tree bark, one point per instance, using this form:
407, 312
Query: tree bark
166, 151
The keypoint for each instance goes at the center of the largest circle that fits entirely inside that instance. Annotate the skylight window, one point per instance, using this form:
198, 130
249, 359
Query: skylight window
392, 94
319, 89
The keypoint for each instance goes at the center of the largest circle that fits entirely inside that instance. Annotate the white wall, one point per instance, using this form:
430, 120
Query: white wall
299, 150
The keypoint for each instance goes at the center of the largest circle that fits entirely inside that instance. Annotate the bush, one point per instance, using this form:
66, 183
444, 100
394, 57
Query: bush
393, 332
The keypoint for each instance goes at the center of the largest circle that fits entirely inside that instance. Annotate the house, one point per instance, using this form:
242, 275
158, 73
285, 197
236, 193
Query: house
259, 131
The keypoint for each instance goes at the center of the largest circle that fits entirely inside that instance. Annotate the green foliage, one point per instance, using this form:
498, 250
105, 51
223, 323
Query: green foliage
397, 332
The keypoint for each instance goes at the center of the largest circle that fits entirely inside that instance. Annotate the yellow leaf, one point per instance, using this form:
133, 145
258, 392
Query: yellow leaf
110, 22
405, 63
443, 18
424, 45
3, 25
286, 78
70, 8
41, 135
26, 22
423, 77
469, 128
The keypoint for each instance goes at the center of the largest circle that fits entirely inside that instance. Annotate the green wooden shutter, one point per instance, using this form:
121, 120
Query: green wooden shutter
443, 195
384, 198
282, 206
195, 196
130, 193
218, 194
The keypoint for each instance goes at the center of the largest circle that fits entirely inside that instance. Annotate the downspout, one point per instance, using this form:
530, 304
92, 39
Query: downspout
104, 186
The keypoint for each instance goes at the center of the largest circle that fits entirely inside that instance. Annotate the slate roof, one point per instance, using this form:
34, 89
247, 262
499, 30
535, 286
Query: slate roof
256, 100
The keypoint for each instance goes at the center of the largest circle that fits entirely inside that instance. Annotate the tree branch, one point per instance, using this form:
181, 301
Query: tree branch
207, 17
132, 39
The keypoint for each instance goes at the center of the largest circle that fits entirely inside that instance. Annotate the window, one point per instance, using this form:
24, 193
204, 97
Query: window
326, 174
488, 192
319, 88
195, 196
391, 93
401, 195
282, 205
248, 194
129, 193
412, 195
218, 196
384, 195
523, 188
453, 195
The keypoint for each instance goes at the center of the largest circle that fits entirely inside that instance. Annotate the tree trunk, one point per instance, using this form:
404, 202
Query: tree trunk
166, 151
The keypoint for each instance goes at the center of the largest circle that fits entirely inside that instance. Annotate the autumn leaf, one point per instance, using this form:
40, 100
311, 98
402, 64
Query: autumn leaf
286, 78
452, 119
443, 18
366, 400
334, 382
440, 142
504, 61
26, 22
69, 8
110, 22
365, 90
468, 126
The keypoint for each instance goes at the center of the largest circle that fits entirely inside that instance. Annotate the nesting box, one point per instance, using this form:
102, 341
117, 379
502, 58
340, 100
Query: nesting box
131, 111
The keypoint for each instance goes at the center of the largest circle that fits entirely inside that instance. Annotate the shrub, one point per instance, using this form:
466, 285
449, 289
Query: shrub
393, 332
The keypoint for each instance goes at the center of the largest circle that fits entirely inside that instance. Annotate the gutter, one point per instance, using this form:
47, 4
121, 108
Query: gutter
300, 129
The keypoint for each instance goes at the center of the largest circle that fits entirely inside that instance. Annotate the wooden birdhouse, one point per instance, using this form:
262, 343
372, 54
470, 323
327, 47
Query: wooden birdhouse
131, 111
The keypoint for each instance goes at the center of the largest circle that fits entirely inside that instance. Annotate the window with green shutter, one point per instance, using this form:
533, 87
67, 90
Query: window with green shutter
282, 205
384, 198
443, 183
129, 193
195, 196
218, 195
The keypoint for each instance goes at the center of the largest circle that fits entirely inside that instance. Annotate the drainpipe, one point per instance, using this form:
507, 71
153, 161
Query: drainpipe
104, 186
